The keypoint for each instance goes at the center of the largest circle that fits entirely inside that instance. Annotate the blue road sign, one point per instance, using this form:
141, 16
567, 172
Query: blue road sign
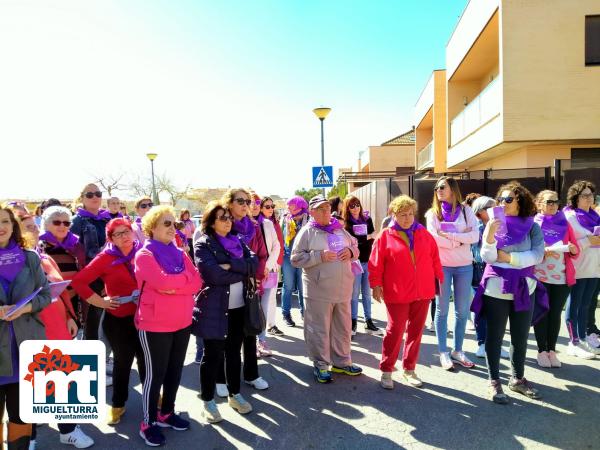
322, 176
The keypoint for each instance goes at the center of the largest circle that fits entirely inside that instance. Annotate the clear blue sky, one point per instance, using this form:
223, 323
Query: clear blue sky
222, 91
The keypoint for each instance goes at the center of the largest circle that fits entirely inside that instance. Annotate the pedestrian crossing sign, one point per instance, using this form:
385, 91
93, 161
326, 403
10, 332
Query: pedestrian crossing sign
322, 176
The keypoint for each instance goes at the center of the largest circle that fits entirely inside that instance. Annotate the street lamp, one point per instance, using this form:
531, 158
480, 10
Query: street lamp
321, 113
152, 157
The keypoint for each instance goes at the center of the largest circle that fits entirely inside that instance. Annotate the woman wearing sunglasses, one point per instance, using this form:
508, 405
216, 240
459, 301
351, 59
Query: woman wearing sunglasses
167, 280
512, 246
360, 226
142, 206
454, 228
225, 263
586, 223
114, 266
89, 223
556, 272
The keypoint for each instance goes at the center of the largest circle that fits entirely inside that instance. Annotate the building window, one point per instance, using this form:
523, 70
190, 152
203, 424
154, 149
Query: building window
592, 40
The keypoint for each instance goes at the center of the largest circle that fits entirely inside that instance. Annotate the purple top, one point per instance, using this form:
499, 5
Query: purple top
447, 213
68, 243
333, 225
168, 256
410, 231
232, 245
103, 214
587, 219
245, 228
517, 229
554, 227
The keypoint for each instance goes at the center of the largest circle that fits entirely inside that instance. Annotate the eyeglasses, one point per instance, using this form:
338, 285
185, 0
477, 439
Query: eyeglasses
58, 223
146, 205
439, 188
354, 205
120, 234
507, 200
551, 202
168, 223
225, 218
269, 206
590, 195
241, 201
92, 194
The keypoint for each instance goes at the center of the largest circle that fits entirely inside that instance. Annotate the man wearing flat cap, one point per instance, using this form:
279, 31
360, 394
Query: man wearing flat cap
325, 251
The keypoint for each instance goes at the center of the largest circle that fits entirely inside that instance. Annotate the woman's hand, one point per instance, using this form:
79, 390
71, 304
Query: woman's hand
345, 254
328, 256
503, 257
225, 266
110, 303
551, 254
594, 240
492, 227
72, 327
573, 249
378, 294
5, 309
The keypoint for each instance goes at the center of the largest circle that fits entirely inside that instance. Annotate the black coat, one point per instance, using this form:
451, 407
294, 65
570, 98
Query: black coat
212, 303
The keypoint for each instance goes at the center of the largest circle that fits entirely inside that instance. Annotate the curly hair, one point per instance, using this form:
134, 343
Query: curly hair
524, 197
401, 203
576, 189
150, 220
229, 196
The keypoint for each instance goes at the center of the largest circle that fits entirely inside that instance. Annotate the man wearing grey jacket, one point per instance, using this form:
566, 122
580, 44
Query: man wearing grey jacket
325, 251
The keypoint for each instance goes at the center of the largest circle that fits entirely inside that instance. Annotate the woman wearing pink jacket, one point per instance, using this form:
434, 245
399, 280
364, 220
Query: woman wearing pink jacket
167, 280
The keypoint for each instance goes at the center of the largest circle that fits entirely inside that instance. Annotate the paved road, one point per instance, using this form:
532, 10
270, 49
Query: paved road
452, 411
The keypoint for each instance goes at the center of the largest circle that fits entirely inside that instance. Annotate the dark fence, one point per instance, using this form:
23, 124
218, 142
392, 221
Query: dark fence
377, 195
567, 171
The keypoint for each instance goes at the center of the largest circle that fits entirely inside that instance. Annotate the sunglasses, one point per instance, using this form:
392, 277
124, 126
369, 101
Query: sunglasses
146, 205
58, 223
354, 205
507, 200
120, 234
439, 188
269, 206
241, 201
225, 218
92, 194
551, 202
168, 223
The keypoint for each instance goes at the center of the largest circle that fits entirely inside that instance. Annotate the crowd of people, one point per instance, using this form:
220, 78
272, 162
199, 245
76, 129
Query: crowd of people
145, 284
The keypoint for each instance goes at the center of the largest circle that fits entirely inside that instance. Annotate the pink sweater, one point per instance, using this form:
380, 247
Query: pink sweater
455, 250
164, 312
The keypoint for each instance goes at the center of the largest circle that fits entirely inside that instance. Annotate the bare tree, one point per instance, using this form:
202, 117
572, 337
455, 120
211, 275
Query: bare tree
110, 182
140, 186
165, 184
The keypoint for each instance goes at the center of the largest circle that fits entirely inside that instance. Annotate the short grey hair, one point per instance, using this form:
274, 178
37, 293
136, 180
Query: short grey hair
52, 212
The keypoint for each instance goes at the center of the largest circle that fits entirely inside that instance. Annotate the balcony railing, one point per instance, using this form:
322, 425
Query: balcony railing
425, 157
481, 110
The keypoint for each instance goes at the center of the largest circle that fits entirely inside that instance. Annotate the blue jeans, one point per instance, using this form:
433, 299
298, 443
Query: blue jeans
578, 305
361, 283
460, 278
292, 280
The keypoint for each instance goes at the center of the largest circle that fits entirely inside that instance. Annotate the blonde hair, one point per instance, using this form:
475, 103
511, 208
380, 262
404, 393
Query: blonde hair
151, 218
401, 203
229, 196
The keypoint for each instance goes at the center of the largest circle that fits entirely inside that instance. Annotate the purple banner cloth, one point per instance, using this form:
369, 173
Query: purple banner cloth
517, 228
553, 226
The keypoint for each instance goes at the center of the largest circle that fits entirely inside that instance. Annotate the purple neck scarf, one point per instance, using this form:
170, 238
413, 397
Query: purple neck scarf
168, 256
447, 214
362, 219
554, 227
517, 229
138, 220
260, 218
68, 243
410, 231
113, 250
115, 215
12, 260
103, 214
334, 224
232, 245
245, 228
587, 219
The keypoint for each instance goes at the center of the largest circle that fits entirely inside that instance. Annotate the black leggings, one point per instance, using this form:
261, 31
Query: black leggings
547, 329
497, 312
250, 361
9, 400
125, 342
591, 321
217, 349
92, 322
164, 354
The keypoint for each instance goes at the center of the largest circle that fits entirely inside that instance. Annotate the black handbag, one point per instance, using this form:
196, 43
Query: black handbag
254, 317
478, 268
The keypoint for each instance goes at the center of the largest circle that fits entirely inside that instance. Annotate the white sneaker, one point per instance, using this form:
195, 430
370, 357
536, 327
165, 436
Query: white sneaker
446, 361
589, 348
593, 340
480, 353
109, 381
222, 390
77, 438
259, 384
504, 353
579, 351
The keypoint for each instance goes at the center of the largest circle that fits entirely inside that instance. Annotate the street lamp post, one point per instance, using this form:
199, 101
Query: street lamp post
321, 113
152, 157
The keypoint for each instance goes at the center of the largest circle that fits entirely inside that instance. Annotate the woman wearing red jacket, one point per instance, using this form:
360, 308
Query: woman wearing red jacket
403, 269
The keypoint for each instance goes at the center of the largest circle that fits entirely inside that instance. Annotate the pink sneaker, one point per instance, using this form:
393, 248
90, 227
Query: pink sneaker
262, 348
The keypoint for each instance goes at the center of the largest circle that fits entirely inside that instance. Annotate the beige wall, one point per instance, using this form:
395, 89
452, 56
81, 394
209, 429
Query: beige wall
389, 157
549, 93
440, 123
457, 91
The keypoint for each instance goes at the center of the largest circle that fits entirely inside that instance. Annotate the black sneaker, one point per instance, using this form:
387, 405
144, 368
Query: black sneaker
353, 327
152, 435
370, 328
172, 421
275, 331
288, 321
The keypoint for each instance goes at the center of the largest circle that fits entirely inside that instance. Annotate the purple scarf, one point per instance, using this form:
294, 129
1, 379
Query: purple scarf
118, 214
68, 243
260, 218
138, 220
334, 224
447, 214
232, 245
518, 228
554, 227
245, 228
168, 256
113, 250
12, 260
410, 231
362, 219
587, 219
103, 214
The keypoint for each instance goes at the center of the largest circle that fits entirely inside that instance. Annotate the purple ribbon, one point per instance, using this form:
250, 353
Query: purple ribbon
410, 231
553, 226
587, 219
168, 256
113, 250
68, 243
232, 244
245, 228
517, 229
333, 225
